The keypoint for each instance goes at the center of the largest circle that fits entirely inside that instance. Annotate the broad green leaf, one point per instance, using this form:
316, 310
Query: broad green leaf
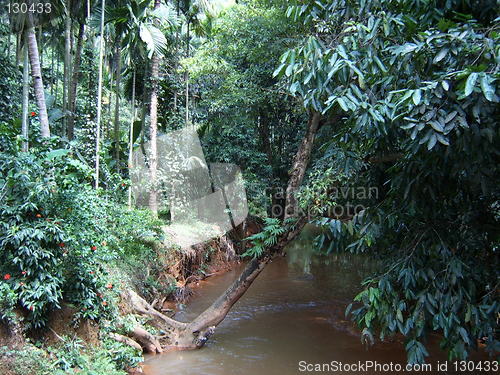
417, 95
57, 153
442, 139
432, 142
279, 70
488, 91
343, 104
470, 83
436, 126
441, 55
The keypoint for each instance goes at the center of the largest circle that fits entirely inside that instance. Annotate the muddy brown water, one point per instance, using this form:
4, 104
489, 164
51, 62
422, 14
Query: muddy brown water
291, 317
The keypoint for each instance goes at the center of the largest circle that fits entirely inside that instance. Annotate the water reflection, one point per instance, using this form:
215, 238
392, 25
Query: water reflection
293, 312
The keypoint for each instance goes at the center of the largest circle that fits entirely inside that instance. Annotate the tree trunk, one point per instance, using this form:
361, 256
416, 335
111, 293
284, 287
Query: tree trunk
99, 98
187, 78
26, 92
153, 130
36, 75
117, 107
67, 66
40, 46
131, 138
74, 82
18, 48
299, 165
195, 334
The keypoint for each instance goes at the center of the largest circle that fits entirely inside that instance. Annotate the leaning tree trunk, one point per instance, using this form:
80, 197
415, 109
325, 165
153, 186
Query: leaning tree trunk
195, 334
299, 165
74, 82
36, 75
153, 130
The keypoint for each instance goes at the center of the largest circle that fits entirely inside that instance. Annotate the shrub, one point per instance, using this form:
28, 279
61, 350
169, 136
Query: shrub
57, 234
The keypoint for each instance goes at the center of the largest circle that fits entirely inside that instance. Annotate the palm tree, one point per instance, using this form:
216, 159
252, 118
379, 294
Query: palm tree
36, 74
142, 38
194, 12
24, 122
99, 96
70, 126
153, 128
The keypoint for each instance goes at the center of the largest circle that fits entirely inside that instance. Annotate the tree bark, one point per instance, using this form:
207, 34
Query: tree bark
67, 65
117, 107
149, 342
153, 130
299, 165
26, 82
125, 340
131, 138
36, 75
74, 82
99, 98
186, 76
201, 328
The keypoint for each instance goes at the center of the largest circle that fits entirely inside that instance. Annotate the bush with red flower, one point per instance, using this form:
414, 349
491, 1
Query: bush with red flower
46, 262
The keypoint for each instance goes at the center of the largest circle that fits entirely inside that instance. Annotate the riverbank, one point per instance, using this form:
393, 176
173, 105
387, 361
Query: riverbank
162, 274
292, 316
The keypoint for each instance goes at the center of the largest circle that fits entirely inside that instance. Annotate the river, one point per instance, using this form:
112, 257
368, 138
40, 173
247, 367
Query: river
292, 316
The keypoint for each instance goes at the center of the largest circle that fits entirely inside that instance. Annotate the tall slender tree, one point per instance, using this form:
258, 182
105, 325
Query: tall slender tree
116, 127
26, 82
99, 96
67, 62
36, 74
74, 81
153, 128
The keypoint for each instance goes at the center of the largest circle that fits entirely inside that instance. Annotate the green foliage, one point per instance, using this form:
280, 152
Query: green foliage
29, 360
57, 234
411, 88
123, 356
244, 116
73, 357
266, 238
8, 300
10, 87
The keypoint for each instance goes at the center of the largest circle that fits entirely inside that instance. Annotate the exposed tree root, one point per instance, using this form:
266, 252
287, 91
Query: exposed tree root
125, 340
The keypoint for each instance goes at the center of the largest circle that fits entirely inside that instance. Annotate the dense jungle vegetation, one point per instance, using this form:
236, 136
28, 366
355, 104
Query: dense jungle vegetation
375, 120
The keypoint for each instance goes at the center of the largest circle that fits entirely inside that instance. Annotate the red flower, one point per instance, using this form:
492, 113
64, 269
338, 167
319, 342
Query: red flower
109, 286
104, 303
23, 272
33, 114
38, 215
32, 308
61, 244
93, 248
6, 276
91, 272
